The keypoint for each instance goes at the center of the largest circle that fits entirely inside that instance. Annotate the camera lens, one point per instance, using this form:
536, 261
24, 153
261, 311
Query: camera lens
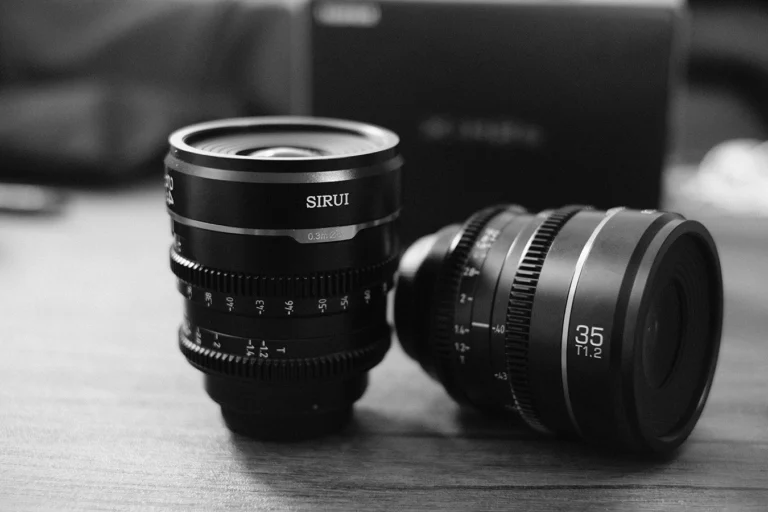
599, 325
285, 246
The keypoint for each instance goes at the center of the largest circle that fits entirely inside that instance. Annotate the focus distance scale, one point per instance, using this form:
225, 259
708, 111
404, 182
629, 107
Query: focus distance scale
602, 325
285, 246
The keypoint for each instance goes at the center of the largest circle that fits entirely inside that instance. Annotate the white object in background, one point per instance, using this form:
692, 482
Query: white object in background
734, 178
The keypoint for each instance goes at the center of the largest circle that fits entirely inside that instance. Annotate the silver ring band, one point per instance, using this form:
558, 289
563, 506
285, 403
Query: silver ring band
303, 236
282, 177
569, 307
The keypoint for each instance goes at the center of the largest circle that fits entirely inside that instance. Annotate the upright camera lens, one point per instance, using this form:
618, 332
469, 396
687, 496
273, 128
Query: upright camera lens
285, 246
600, 325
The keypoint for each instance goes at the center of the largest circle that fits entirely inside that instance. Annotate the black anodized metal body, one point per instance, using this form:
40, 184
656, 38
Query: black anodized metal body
285, 245
602, 325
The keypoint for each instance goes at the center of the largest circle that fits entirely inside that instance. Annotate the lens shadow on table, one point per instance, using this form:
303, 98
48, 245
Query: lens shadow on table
385, 454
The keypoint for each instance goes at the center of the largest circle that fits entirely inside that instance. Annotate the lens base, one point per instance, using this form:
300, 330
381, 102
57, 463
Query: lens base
286, 427
285, 412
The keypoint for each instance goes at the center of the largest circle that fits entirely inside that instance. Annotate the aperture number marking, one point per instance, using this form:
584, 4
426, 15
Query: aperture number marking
169, 190
260, 306
589, 341
470, 272
462, 349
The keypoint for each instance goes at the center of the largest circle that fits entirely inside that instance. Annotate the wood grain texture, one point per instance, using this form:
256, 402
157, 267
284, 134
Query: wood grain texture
99, 410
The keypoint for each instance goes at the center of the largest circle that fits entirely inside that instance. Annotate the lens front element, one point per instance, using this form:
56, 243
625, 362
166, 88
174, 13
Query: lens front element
663, 335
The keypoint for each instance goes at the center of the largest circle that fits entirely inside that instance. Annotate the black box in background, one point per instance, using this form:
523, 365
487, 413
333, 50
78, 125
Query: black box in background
536, 103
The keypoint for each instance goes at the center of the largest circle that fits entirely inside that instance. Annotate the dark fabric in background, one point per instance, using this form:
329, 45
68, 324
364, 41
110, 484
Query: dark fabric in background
90, 89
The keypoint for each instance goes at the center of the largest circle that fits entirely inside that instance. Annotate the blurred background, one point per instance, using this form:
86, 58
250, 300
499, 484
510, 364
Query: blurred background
90, 89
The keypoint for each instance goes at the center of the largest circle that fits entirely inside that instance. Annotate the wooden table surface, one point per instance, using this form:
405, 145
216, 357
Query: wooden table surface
99, 410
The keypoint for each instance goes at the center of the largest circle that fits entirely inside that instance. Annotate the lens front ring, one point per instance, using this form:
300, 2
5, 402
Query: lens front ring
378, 145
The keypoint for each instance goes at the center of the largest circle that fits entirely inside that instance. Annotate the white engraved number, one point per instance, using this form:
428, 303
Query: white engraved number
589, 338
583, 337
597, 337
168, 190
461, 347
470, 272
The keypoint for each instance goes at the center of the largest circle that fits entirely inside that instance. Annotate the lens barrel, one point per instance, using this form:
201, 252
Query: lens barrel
600, 325
285, 246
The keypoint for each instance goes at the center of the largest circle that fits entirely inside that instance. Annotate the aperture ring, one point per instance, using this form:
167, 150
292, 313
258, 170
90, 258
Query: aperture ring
261, 369
359, 300
520, 310
319, 285
443, 313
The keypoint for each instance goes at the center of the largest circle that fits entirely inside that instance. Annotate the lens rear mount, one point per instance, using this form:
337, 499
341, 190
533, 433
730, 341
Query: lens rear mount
286, 413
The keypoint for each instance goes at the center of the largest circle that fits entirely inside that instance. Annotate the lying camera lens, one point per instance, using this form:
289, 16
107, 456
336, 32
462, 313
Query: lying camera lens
285, 246
601, 325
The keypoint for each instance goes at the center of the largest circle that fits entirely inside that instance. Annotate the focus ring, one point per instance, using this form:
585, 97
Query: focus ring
520, 309
445, 299
284, 370
321, 284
